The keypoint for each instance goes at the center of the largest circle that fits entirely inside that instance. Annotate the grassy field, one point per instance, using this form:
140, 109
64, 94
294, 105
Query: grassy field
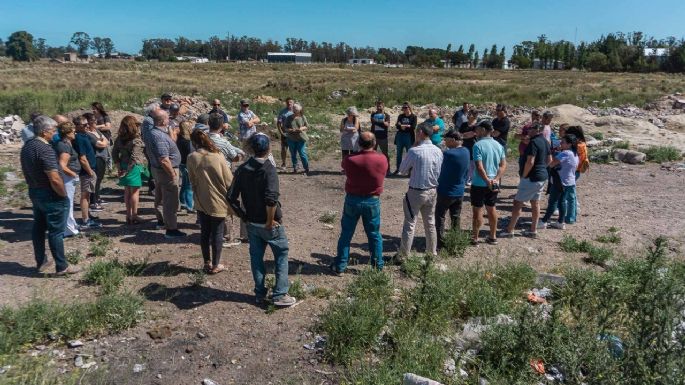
53, 88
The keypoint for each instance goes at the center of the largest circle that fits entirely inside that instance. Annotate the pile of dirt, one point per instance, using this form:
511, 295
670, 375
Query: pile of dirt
191, 106
266, 99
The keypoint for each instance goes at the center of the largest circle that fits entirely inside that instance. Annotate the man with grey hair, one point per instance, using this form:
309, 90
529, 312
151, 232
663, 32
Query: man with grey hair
146, 127
48, 196
165, 159
423, 164
437, 125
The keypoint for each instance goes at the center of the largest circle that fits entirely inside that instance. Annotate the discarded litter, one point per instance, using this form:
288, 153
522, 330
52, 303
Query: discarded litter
537, 365
318, 344
137, 368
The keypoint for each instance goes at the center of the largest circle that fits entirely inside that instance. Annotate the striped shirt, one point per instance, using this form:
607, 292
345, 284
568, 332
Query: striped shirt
228, 150
37, 158
423, 162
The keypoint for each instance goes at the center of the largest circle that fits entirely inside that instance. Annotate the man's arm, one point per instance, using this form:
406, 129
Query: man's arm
502, 169
271, 195
530, 161
166, 165
56, 182
407, 163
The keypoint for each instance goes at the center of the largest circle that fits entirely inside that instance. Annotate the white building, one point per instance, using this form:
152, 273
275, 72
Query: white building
361, 61
289, 57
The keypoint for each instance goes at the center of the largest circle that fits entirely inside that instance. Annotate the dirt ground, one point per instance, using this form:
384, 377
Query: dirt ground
244, 343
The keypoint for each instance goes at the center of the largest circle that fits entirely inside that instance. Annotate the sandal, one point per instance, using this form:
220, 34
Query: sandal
217, 269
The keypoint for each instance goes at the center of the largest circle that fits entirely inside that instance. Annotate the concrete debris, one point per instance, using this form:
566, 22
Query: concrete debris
137, 368
413, 379
207, 381
629, 156
318, 344
74, 344
10, 129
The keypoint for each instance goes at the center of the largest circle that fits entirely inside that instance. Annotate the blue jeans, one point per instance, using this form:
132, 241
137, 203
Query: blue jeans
563, 198
369, 209
186, 194
297, 147
50, 213
275, 238
403, 142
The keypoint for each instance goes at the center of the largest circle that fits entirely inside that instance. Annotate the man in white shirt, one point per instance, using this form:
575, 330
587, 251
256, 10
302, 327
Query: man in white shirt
423, 163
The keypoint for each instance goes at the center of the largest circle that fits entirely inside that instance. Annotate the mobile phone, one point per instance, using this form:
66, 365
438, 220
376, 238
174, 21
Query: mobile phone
495, 187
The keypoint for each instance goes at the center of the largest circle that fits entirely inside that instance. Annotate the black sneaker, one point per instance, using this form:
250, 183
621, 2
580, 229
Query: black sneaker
172, 234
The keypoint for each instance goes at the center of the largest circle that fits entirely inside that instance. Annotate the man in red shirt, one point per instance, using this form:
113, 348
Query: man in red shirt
365, 172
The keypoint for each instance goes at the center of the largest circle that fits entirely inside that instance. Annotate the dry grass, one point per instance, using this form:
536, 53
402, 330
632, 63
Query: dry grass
59, 87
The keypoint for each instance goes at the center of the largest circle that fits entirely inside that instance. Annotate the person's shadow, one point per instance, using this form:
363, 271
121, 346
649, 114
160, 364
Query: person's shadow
190, 297
15, 227
18, 270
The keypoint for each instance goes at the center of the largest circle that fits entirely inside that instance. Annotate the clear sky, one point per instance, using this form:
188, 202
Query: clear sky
378, 23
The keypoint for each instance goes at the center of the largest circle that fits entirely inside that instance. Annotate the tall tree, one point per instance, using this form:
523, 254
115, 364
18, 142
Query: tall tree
82, 42
107, 47
40, 47
20, 46
2, 48
97, 45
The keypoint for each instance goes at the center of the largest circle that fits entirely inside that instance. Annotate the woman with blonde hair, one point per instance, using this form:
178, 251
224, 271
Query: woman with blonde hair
185, 147
349, 132
128, 154
210, 178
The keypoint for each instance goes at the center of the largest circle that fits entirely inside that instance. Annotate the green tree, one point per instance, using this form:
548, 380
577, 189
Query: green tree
40, 47
20, 46
2, 48
82, 42
97, 45
107, 46
596, 61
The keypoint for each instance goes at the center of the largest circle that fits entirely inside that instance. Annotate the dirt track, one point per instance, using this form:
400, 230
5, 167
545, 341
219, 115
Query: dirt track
245, 344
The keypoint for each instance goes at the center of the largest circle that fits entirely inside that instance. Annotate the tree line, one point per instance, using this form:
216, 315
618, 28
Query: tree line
21, 46
614, 52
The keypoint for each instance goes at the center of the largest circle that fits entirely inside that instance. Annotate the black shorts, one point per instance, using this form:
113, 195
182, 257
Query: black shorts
483, 196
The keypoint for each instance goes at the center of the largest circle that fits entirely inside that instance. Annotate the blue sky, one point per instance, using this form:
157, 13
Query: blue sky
378, 23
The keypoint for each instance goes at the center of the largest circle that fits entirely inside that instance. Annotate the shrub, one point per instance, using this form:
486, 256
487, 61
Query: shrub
108, 274
572, 245
297, 289
328, 217
661, 154
455, 243
32, 322
611, 236
597, 135
74, 257
99, 244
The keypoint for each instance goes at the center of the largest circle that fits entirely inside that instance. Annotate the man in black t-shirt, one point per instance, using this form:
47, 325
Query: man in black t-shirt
501, 126
533, 178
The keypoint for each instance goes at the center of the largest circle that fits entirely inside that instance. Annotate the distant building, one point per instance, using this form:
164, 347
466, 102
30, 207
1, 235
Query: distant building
660, 55
549, 65
192, 59
289, 57
361, 61
73, 57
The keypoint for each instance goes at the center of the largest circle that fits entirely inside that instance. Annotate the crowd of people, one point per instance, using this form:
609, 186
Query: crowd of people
192, 167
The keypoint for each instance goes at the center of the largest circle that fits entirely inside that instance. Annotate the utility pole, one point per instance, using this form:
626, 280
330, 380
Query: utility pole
228, 46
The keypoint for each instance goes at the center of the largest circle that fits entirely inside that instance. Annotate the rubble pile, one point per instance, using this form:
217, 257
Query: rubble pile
10, 129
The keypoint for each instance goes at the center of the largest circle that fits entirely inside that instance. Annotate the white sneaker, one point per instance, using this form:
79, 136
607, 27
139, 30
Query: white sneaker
557, 225
232, 243
541, 225
556, 212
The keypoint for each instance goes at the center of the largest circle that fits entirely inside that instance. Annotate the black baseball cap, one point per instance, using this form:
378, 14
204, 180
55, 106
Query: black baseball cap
165, 96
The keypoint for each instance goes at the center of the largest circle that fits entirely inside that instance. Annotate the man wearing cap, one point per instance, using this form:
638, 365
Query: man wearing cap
423, 164
165, 159
365, 172
216, 109
254, 196
533, 178
247, 121
166, 101
286, 112
490, 162
202, 123
48, 196
453, 173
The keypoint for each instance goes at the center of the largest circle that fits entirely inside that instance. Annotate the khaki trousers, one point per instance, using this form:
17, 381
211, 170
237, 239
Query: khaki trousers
166, 197
415, 202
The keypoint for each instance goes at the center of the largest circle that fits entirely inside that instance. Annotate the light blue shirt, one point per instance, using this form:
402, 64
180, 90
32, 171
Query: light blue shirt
488, 151
436, 138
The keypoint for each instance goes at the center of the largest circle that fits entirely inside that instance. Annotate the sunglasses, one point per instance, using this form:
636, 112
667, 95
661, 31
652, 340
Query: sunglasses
216, 105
